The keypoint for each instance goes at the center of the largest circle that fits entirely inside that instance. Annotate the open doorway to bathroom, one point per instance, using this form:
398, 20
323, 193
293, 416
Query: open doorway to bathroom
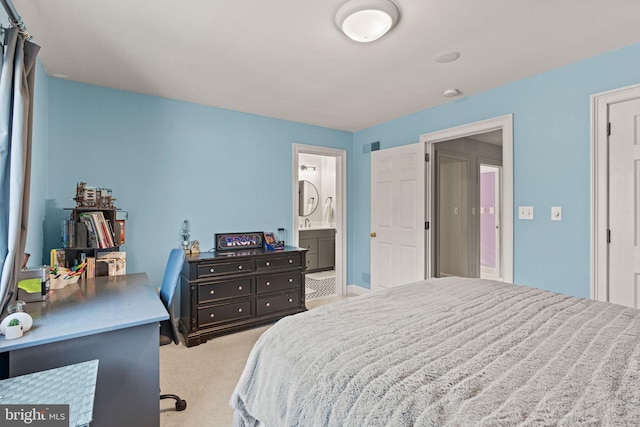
320, 217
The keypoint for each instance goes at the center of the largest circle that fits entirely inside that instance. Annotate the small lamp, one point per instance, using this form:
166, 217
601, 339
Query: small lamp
367, 20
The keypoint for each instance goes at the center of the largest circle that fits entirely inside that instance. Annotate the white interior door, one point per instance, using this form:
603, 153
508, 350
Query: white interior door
397, 216
624, 203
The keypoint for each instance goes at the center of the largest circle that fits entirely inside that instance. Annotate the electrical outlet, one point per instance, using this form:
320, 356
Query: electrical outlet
525, 212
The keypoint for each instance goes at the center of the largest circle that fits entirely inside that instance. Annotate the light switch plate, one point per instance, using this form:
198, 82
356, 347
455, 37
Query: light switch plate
556, 213
525, 212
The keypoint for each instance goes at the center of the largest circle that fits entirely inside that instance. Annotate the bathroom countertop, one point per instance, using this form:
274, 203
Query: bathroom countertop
319, 227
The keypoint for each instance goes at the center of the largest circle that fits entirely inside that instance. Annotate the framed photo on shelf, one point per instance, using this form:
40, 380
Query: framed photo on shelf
271, 243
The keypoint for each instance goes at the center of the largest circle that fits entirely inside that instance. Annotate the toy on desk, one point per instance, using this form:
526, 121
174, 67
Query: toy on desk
195, 247
271, 244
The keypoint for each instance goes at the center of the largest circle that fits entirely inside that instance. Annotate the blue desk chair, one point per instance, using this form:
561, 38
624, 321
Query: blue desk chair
168, 330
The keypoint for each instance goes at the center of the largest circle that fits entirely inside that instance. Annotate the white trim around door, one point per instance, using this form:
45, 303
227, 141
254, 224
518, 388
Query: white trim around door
599, 251
506, 124
341, 206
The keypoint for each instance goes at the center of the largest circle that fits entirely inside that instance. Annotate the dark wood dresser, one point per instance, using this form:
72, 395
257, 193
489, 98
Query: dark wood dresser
228, 291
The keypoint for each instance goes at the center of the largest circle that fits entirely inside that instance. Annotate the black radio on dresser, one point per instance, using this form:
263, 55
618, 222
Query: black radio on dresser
228, 291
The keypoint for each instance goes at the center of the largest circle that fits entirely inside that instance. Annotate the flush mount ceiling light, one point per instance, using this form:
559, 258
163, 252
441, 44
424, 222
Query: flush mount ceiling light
367, 20
450, 93
448, 56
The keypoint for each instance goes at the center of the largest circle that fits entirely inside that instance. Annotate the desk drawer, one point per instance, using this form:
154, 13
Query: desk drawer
214, 269
224, 312
267, 263
278, 282
216, 291
277, 302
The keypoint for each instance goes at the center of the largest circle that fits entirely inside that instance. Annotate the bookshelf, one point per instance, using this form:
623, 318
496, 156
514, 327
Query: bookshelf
91, 231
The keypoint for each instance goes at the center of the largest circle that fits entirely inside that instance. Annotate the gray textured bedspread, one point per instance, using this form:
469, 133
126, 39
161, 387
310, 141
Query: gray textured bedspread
446, 352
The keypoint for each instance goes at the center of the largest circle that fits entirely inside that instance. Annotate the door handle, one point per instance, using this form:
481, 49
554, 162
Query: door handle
373, 234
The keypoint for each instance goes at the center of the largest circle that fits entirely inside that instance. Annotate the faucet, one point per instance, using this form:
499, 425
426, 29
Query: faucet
306, 222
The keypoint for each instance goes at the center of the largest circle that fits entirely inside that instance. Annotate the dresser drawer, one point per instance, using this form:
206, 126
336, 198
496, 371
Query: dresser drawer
224, 312
214, 269
278, 282
292, 260
277, 302
231, 289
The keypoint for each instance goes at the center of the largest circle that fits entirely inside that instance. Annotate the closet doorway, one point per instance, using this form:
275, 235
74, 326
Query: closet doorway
457, 159
319, 217
465, 205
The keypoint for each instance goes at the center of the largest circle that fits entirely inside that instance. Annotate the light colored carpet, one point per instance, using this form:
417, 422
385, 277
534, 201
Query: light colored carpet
205, 376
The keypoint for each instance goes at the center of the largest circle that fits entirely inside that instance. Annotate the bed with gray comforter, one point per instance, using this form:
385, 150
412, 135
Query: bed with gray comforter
446, 351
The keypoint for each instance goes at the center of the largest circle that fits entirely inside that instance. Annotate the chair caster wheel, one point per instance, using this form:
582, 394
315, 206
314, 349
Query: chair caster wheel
181, 405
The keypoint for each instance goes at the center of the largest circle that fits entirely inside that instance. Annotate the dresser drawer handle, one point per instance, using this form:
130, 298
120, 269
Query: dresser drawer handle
290, 261
239, 288
268, 283
212, 292
290, 300
268, 304
267, 263
239, 267
212, 270
290, 280
212, 315
239, 310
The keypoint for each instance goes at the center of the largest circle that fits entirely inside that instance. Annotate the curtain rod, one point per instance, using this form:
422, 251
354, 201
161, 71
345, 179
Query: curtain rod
14, 18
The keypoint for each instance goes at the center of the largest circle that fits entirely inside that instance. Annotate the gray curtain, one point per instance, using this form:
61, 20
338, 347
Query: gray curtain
16, 117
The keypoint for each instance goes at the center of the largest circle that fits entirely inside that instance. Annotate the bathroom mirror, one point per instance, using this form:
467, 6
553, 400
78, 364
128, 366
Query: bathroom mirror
307, 197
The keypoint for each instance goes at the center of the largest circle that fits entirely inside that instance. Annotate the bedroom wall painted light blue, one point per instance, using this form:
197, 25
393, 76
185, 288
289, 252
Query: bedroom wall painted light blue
551, 119
167, 161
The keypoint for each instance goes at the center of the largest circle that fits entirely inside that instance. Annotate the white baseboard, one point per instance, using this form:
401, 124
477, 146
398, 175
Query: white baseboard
357, 290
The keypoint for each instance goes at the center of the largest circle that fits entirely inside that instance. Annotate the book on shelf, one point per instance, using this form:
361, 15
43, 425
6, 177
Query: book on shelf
111, 264
99, 231
120, 232
92, 234
91, 267
103, 231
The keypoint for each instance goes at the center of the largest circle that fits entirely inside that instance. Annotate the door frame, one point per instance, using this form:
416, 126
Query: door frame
504, 123
341, 205
599, 250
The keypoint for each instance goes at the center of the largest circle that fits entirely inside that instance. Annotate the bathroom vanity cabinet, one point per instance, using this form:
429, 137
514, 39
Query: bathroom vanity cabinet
321, 248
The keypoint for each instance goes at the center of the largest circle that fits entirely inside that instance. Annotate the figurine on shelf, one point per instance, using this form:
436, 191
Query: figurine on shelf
195, 247
80, 198
184, 234
92, 197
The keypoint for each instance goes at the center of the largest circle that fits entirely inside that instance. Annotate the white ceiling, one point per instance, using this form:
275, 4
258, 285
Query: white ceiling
286, 58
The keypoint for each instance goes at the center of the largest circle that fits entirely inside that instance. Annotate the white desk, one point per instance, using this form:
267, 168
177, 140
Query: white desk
112, 319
